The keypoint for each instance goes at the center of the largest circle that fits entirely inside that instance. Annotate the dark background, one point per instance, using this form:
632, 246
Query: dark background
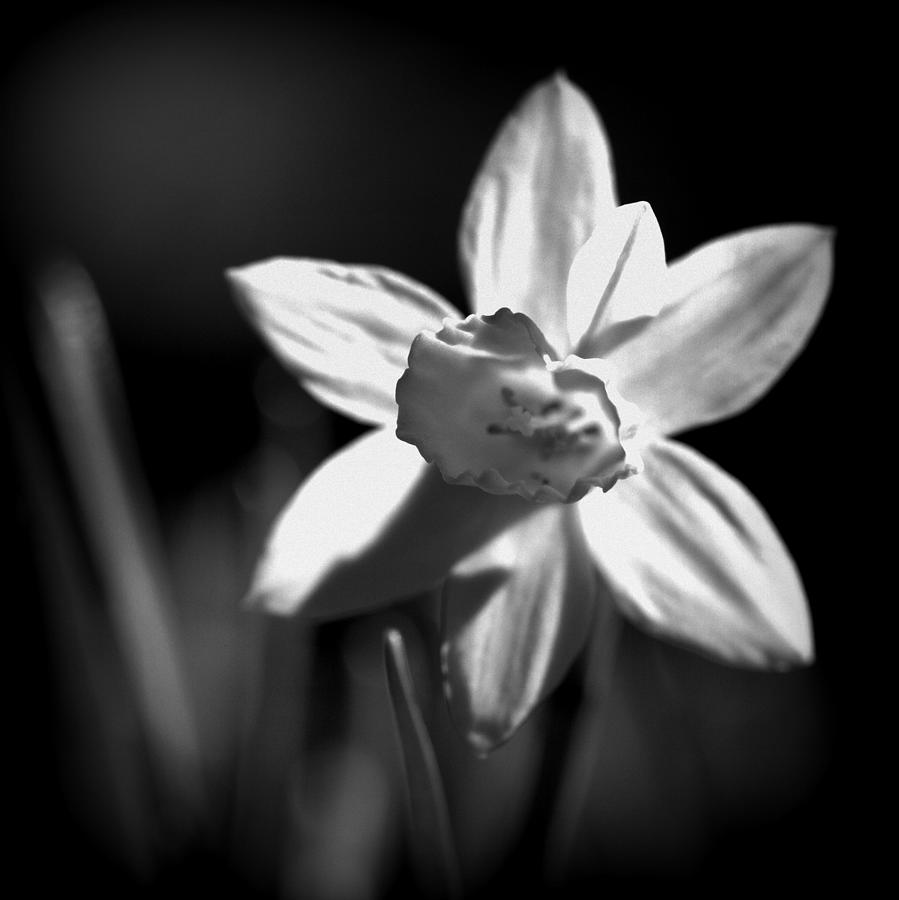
161, 145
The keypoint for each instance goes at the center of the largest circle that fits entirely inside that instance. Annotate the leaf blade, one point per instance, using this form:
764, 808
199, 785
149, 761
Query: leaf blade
431, 833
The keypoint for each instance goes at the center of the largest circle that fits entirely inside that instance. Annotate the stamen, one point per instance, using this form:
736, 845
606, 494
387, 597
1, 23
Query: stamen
551, 431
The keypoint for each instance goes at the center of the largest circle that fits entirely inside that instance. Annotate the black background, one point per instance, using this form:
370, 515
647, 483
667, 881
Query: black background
161, 145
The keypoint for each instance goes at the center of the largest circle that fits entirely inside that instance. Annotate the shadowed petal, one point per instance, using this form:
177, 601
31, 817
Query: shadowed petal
690, 555
345, 330
516, 613
534, 202
373, 524
616, 276
739, 311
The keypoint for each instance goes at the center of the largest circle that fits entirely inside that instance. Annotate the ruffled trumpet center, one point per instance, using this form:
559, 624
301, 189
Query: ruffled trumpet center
485, 400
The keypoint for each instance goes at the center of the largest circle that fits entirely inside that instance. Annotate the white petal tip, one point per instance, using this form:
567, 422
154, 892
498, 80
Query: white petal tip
812, 236
778, 654
560, 80
557, 88
240, 272
482, 745
781, 657
484, 737
820, 237
801, 657
269, 602
273, 596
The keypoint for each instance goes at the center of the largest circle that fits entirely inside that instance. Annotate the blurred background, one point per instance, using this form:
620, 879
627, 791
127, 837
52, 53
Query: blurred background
151, 147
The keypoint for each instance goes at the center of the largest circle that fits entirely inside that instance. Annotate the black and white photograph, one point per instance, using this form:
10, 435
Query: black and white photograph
435, 440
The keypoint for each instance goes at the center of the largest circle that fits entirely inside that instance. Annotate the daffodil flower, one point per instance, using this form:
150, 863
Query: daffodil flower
523, 463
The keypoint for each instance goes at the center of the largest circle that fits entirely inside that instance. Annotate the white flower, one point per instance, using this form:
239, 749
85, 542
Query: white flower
599, 352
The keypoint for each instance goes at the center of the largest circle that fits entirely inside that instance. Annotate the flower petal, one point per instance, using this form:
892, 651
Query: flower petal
545, 181
345, 330
690, 555
516, 613
373, 524
739, 310
616, 276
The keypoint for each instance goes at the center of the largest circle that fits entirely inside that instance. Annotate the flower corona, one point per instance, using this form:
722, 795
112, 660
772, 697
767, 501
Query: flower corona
485, 400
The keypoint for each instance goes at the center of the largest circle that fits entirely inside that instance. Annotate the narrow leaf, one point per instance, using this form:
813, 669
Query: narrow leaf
103, 781
77, 365
431, 834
